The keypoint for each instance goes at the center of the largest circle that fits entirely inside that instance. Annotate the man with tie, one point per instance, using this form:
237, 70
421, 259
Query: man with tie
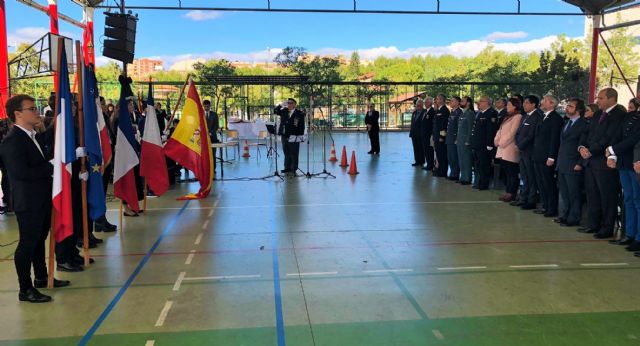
373, 128
31, 182
440, 122
416, 134
570, 165
452, 138
524, 140
545, 153
482, 135
601, 182
213, 125
427, 132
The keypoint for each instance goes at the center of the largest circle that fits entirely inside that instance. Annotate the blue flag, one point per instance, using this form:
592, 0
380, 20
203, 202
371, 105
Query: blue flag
95, 187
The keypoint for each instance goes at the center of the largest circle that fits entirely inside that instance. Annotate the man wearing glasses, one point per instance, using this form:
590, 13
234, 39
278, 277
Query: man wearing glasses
30, 176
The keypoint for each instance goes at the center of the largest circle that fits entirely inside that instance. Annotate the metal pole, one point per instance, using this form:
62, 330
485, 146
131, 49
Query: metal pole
53, 27
124, 64
594, 58
4, 61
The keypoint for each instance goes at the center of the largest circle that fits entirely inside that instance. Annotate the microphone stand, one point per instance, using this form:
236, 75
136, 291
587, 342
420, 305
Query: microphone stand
276, 173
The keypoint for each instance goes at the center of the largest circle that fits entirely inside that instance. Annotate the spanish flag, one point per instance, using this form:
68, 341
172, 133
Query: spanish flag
190, 145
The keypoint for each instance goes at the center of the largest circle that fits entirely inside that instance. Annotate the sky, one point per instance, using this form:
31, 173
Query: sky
174, 36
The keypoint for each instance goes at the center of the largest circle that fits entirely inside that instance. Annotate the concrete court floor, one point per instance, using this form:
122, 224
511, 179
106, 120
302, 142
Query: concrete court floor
392, 256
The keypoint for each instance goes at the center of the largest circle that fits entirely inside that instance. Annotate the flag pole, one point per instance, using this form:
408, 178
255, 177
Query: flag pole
146, 189
175, 109
83, 160
121, 211
52, 242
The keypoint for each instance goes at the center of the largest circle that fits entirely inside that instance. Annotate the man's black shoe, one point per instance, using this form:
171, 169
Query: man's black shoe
92, 238
369, 152
624, 241
69, 267
586, 230
528, 207
604, 235
284, 171
539, 211
92, 245
32, 295
79, 260
569, 224
42, 283
465, 183
550, 214
559, 220
415, 164
100, 227
635, 246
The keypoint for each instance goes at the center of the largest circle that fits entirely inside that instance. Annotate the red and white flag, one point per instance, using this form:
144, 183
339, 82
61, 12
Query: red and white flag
152, 162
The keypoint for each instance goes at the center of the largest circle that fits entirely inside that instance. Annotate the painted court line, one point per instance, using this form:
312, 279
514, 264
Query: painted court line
198, 239
190, 257
312, 274
176, 286
526, 266
87, 337
437, 334
388, 271
462, 268
603, 264
223, 277
150, 343
164, 313
205, 224
211, 212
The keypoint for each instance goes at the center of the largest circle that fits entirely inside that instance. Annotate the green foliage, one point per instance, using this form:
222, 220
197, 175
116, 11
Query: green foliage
206, 72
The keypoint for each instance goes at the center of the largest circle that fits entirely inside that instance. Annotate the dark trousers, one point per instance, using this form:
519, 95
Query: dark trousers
482, 167
374, 138
527, 173
548, 186
603, 188
428, 153
452, 157
466, 162
34, 228
511, 170
441, 155
571, 186
6, 189
285, 141
291, 156
418, 150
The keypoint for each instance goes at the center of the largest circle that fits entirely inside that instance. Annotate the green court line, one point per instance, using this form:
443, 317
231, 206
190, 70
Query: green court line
588, 329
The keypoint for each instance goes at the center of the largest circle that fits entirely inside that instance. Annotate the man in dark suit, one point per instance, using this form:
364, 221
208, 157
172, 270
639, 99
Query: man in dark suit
282, 111
416, 134
570, 165
440, 121
545, 152
524, 140
373, 128
213, 126
501, 108
601, 182
427, 132
31, 180
482, 135
293, 130
452, 138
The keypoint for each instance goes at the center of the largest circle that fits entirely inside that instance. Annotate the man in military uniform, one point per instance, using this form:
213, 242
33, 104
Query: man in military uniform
440, 123
293, 131
465, 124
416, 134
427, 132
482, 135
452, 136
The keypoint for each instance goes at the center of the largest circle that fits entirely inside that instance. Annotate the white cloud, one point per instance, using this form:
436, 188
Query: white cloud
458, 49
499, 35
203, 15
26, 35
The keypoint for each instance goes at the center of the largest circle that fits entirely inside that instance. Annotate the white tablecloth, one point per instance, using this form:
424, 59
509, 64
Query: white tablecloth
248, 130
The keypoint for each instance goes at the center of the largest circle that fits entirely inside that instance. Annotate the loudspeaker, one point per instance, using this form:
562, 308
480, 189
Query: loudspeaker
596, 6
120, 30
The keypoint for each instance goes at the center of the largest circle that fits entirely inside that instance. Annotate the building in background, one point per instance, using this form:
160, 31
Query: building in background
142, 69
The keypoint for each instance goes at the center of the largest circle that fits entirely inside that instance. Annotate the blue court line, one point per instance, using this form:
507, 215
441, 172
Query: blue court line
132, 277
277, 294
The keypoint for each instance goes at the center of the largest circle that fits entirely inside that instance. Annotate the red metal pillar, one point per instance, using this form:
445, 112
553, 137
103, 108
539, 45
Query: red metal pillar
53, 28
594, 58
87, 37
4, 61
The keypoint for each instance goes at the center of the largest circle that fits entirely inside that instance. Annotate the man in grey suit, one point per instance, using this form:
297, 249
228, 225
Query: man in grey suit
465, 123
570, 165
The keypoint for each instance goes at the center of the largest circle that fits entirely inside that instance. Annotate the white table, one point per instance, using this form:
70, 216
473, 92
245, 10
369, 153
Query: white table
248, 130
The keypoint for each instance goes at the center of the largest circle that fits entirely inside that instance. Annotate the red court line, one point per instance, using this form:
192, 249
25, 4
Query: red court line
386, 245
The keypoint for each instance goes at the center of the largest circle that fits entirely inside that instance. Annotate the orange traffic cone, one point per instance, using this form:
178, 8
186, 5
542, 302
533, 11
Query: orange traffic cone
333, 157
246, 149
343, 160
353, 168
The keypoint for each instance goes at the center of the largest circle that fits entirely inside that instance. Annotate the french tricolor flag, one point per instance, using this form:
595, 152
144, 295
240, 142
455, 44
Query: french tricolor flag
125, 158
63, 155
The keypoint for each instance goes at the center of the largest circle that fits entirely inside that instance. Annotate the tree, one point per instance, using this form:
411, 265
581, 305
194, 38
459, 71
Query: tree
206, 73
108, 72
354, 69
